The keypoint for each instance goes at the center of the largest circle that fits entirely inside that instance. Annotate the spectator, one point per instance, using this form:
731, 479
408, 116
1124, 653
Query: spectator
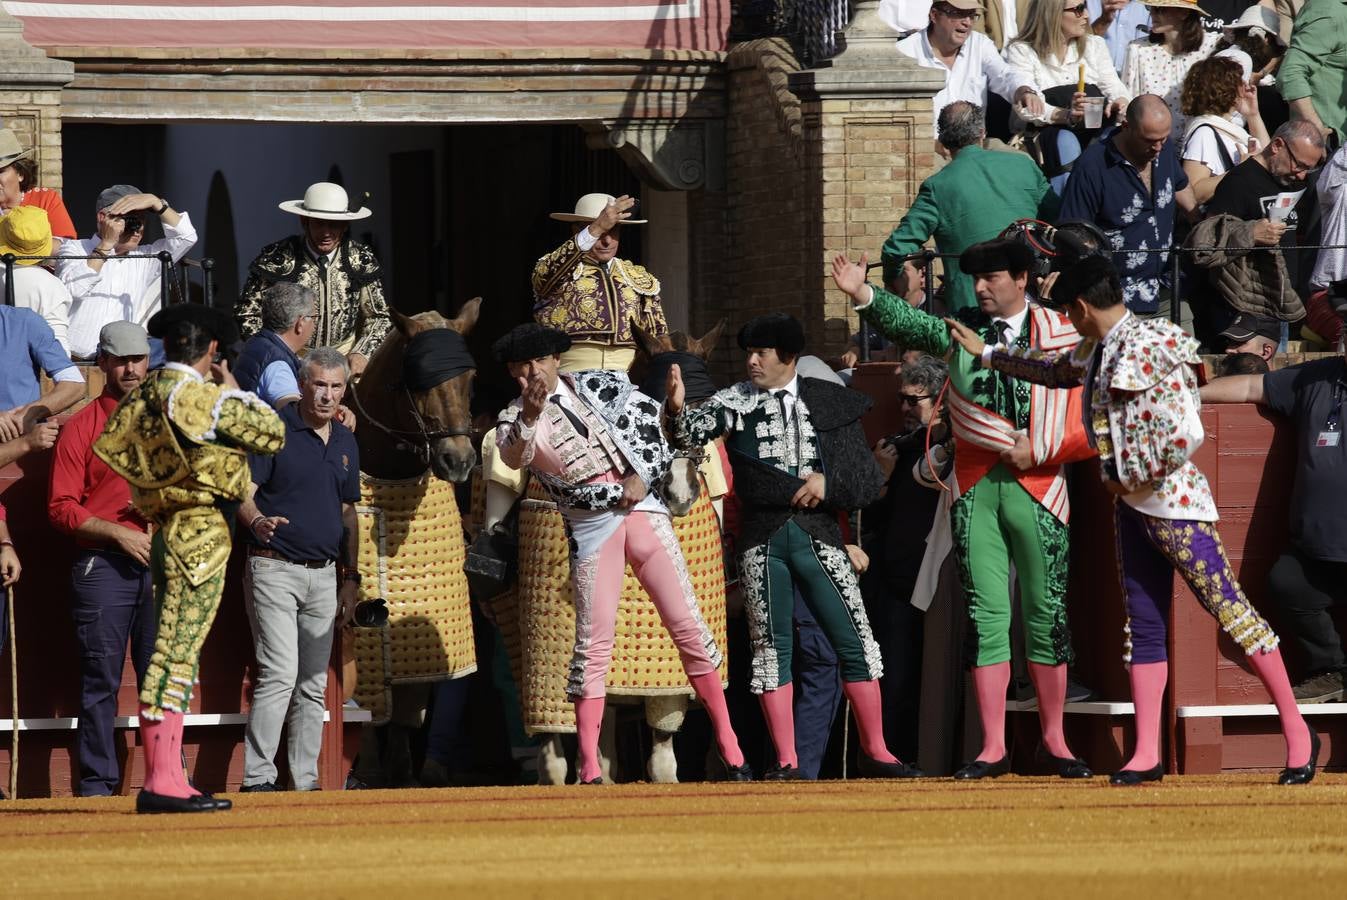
269, 363
112, 597
967, 201
1315, 66
1216, 99
1241, 364
1157, 64
1119, 23
301, 528
28, 346
343, 274
18, 186
1262, 202
969, 61
114, 285
1255, 33
897, 545
1130, 185
1256, 335
1322, 328
999, 20
26, 232
1049, 54
1310, 576
583, 289
1330, 265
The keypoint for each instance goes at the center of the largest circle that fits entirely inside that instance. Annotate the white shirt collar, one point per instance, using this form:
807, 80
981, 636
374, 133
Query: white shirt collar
1114, 330
1016, 321
182, 367
792, 388
314, 254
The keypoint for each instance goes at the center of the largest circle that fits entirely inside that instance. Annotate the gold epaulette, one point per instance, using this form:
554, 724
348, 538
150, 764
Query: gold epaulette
637, 277
138, 444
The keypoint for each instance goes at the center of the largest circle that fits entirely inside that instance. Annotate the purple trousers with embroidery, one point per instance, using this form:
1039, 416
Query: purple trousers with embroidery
1150, 551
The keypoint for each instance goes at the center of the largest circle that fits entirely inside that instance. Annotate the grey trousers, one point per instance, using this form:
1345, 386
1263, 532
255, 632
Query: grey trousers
293, 611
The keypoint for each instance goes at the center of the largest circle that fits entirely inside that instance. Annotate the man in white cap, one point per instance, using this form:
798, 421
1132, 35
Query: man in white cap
343, 273
114, 284
584, 290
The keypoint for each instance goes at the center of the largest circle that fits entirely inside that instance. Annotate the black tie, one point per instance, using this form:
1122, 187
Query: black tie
322, 268
575, 420
1006, 341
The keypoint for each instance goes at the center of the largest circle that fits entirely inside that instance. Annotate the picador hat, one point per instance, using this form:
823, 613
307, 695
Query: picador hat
777, 330
215, 322
529, 341
996, 256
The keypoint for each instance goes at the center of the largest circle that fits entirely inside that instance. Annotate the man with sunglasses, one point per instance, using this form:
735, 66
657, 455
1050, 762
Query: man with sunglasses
115, 284
970, 61
1262, 202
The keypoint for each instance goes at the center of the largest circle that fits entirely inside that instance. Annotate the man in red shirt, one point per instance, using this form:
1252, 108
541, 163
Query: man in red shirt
112, 598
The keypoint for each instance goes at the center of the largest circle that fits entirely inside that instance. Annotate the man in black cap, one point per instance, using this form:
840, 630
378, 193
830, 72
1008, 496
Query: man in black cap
783, 433
181, 441
595, 444
1010, 498
1258, 335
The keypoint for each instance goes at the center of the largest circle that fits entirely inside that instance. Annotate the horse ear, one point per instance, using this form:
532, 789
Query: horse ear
649, 343
706, 344
404, 324
467, 316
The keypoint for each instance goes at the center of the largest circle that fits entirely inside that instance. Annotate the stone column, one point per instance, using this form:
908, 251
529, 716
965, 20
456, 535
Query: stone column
869, 143
30, 97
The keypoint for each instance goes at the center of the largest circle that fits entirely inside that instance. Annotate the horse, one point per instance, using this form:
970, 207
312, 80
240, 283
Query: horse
414, 433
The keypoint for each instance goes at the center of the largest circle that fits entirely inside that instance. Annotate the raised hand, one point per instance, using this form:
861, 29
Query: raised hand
965, 337
535, 396
674, 391
848, 276
616, 211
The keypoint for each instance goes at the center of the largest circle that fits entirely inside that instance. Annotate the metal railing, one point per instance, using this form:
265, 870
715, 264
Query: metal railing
174, 283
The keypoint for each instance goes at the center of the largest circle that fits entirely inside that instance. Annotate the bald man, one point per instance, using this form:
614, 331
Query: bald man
1130, 183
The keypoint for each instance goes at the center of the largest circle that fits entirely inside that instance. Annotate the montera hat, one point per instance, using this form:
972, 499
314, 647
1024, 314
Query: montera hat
996, 256
10, 148
777, 330
215, 322
326, 200
529, 341
588, 208
123, 339
26, 231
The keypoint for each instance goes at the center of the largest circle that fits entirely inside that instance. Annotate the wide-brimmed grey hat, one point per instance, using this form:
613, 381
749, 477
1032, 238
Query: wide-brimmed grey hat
10, 148
590, 207
325, 200
123, 339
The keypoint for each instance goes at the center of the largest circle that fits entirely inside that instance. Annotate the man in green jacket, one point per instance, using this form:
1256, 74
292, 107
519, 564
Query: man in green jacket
1314, 69
970, 200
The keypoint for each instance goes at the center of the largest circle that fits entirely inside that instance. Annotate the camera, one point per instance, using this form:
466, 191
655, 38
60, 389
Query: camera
132, 224
371, 613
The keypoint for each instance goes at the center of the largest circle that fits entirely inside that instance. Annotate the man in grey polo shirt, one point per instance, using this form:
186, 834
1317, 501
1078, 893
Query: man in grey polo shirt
300, 581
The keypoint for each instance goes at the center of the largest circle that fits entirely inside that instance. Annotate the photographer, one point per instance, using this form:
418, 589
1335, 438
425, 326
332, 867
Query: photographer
115, 285
300, 581
899, 524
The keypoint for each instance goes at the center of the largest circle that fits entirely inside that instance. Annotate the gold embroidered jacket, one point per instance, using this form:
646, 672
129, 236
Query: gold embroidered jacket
352, 311
182, 443
593, 303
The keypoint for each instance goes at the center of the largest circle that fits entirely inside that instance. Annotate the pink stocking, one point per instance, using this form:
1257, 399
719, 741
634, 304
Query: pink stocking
1050, 685
588, 721
163, 767
1148, 695
865, 705
778, 708
990, 683
1295, 729
712, 696
175, 723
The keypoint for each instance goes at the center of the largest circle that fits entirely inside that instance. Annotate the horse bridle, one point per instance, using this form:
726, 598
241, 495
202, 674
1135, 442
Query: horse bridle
418, 442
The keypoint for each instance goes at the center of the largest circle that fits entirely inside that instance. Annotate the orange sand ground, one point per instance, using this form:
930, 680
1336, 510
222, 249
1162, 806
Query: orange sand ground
1225, 836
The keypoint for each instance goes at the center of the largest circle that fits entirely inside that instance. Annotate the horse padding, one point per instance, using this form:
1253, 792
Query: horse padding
411, 554
645, 660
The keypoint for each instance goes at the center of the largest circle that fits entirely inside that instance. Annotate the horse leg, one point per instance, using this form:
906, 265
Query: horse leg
664, 715
552, 764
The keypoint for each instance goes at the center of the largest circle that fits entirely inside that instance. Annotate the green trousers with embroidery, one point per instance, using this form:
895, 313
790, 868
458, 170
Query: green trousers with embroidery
997, 522
185, 617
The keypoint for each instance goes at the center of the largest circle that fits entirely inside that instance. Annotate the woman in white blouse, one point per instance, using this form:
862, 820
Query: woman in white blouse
1217, 99
1048, 55
1157, 64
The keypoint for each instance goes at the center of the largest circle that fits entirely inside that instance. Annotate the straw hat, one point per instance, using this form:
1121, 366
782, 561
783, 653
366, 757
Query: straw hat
10, 148
588, 208
1190, 5
25, 231
325, 200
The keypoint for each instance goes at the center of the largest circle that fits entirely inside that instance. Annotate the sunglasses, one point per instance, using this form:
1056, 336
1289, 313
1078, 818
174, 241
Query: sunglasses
914, 399
952, 12
1078, 10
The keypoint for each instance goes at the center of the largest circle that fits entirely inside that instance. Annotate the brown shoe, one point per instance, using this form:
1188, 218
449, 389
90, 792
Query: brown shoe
1320, 688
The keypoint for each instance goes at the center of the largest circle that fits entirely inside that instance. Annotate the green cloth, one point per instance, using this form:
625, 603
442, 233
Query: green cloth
917, 330
999, 520
971, 199
1315, 65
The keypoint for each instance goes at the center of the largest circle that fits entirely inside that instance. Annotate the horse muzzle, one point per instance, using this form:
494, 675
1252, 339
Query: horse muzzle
452, 459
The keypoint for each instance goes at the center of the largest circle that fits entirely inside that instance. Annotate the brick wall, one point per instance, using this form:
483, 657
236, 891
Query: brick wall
35, 118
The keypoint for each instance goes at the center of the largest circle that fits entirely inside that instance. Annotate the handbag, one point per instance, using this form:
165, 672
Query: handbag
491, 561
